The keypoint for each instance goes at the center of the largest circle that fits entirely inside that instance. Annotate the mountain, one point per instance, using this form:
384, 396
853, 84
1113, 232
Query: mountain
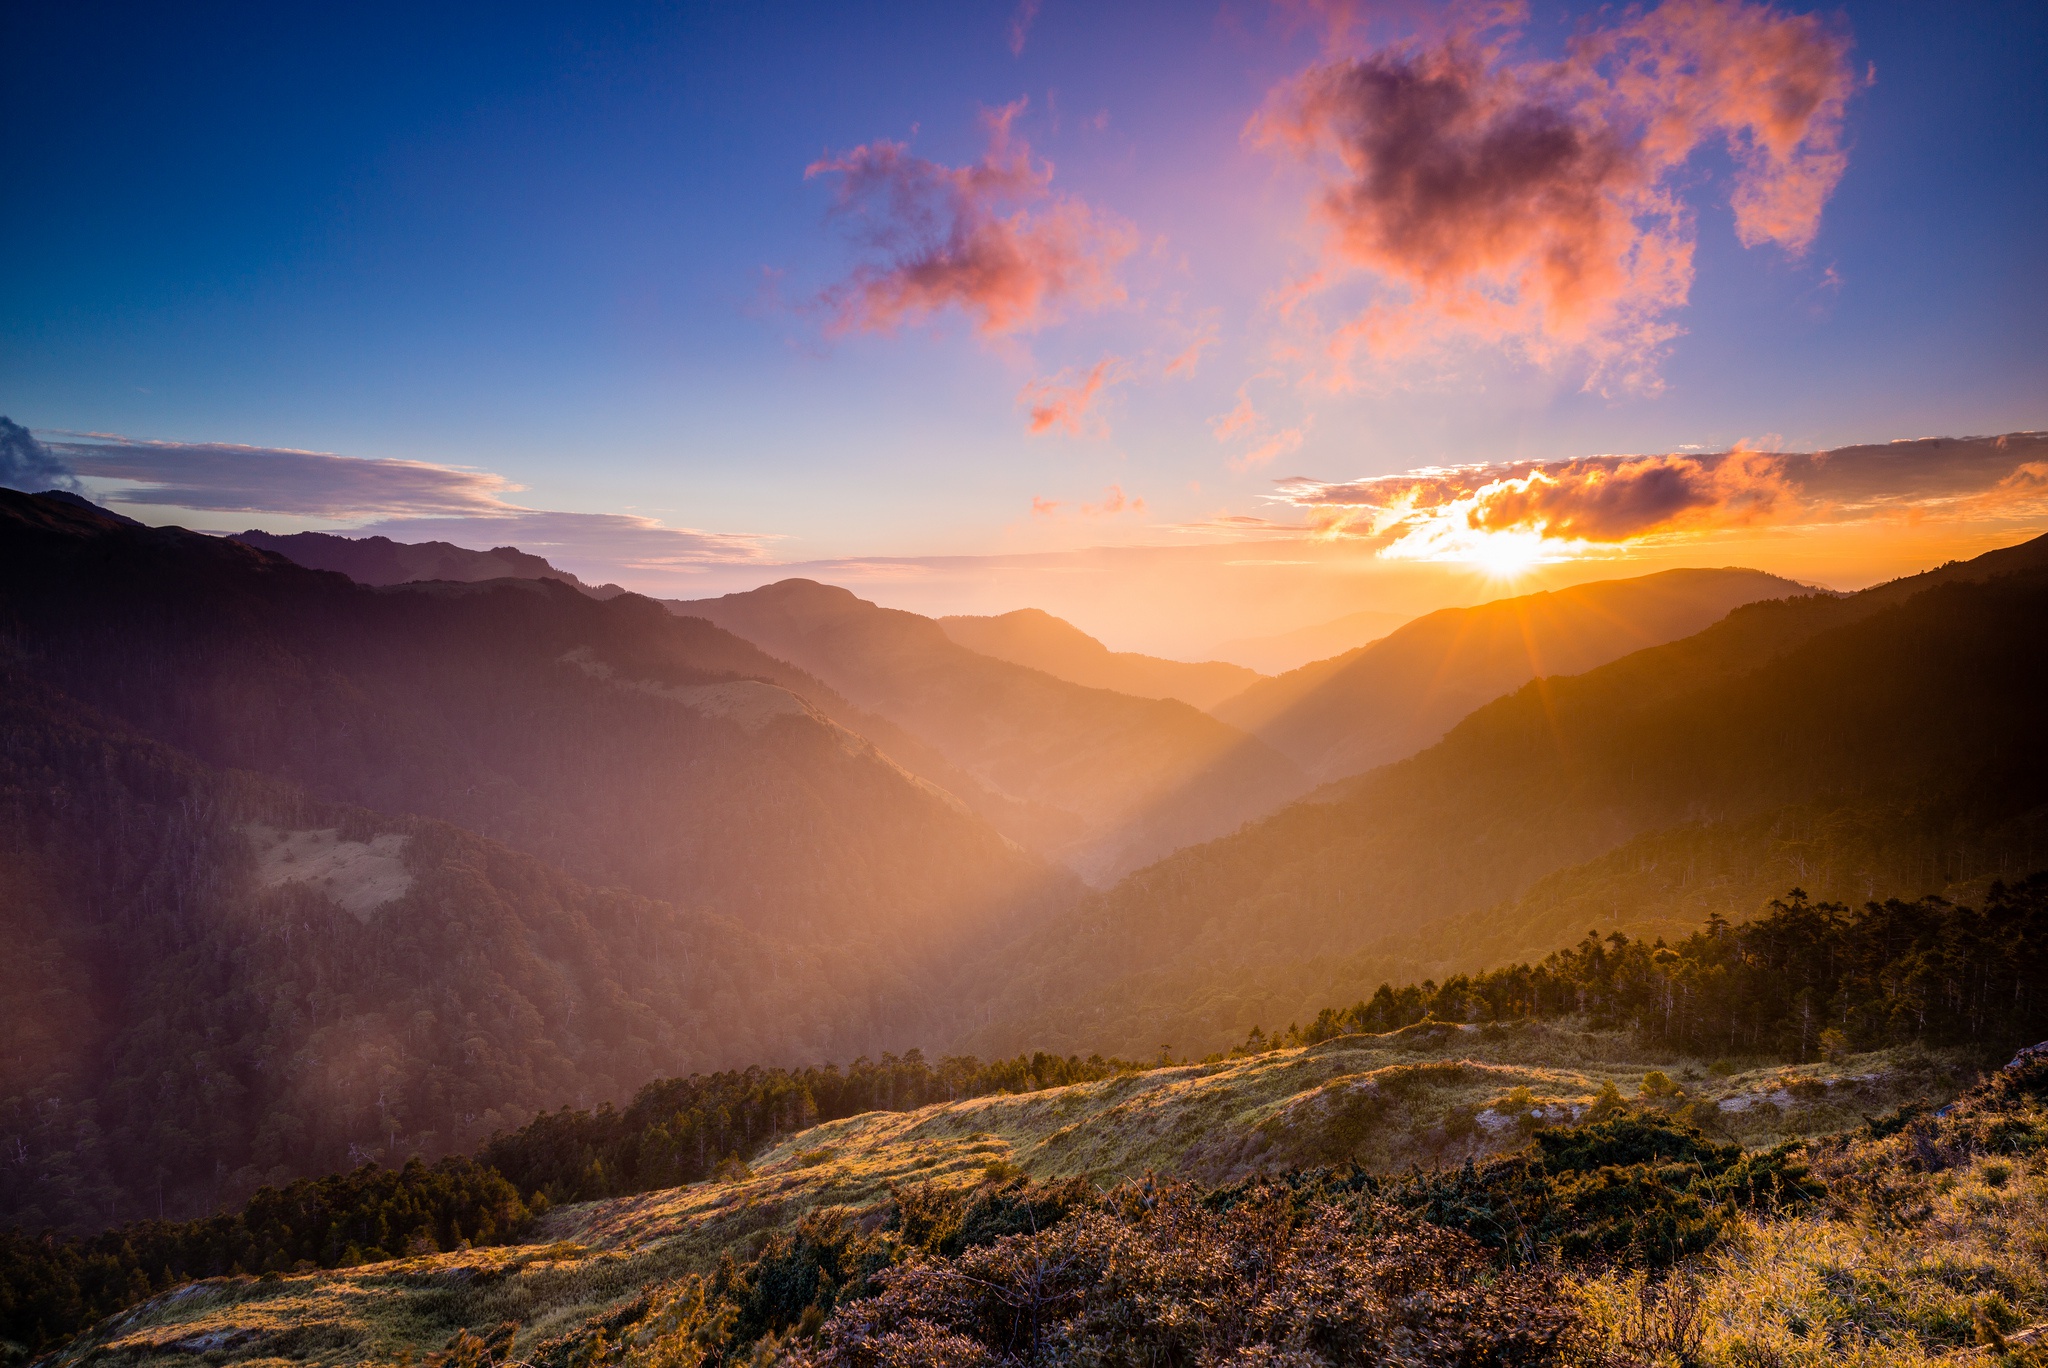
1112, 781
1291, 650
380, 560
1391, 698
309, 870
1035, 638
1887, 742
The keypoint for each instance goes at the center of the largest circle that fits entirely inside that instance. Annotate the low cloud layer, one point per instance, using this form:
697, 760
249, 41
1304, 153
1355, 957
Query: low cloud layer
219, 477
1604, 502
1537, 205
409, 501
991, 239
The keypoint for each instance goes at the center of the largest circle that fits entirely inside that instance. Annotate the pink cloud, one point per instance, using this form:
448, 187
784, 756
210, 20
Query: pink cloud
1535, 204
1065, 404
1282, 443
1020, 25
1240, 419
963, 238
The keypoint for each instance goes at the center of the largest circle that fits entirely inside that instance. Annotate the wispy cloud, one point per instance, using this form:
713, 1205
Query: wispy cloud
1537, 205
1113, 502
991, 239
1601, 502
1020, 25
1065, 403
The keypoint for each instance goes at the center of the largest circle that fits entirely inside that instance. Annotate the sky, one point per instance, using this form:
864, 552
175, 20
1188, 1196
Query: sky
1183, 321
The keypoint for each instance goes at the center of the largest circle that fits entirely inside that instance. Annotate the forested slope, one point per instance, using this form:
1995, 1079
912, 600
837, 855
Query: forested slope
1906, 723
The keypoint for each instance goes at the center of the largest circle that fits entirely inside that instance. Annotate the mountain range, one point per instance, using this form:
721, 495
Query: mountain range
1389, 699
1886, 742
303, 871
1112, 782
316, 869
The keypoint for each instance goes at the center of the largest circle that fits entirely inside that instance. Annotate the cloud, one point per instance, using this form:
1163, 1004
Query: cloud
409, 501
1114, 502
1065, 404
1535, 205
1585, 505
228, 478
1184, 362
28, 465
947, 237
1241, 418
1282, 443
1020, 25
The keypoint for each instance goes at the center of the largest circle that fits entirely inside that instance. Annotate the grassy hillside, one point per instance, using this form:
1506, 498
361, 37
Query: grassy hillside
1902, 728
1120, 780
810, 1226
1342, 716
1035, 638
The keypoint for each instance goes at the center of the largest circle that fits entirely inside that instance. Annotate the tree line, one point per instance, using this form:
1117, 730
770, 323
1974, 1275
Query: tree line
1807, 980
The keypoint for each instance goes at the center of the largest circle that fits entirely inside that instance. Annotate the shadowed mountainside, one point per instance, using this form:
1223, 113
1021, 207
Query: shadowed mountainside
1888, 742
1035, 638
1390, 699
1119, 781
235, 789
380, 560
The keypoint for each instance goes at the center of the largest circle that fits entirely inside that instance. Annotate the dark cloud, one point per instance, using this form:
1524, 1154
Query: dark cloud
28, 465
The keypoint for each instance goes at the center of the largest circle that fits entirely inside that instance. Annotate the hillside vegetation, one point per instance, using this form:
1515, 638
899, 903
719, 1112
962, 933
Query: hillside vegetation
697, 1165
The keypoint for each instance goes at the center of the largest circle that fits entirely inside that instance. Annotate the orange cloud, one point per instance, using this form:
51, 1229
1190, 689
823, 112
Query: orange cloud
1064, 404
1114, 501
960, 237
1533, 204
1574, 507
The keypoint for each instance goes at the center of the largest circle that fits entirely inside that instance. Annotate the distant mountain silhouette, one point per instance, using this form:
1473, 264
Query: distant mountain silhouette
380, 560
1390, 699
1888, 742
1035, 638
308, 870
1286, 651
1114, 781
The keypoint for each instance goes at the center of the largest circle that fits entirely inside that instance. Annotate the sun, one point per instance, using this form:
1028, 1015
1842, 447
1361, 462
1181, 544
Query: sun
1505, 555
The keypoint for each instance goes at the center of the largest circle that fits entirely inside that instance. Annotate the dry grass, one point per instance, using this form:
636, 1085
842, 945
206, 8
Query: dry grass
1438, 1094
1948, 1267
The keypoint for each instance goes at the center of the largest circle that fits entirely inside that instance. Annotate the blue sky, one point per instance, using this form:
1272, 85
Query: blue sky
575, 247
